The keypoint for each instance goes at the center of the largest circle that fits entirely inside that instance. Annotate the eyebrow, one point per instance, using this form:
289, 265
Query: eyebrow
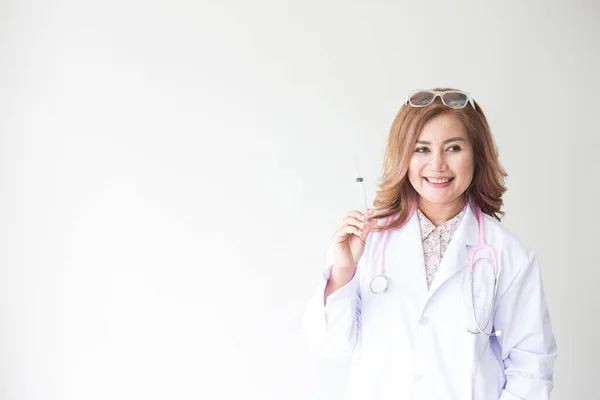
454, 139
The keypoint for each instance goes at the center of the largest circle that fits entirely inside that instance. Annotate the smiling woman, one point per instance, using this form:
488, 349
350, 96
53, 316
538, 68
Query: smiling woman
438, 142
428, 329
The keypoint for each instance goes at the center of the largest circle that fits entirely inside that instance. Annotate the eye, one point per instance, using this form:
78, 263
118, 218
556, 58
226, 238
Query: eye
422, 150
454, 148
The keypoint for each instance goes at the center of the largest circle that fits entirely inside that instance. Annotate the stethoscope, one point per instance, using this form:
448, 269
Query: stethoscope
380, 282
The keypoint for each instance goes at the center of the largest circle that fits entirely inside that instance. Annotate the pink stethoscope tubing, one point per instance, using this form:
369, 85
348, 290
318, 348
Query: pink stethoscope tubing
380, 282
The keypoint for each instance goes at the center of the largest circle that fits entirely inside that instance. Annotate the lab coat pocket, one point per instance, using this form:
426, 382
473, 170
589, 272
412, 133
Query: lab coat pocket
489, 377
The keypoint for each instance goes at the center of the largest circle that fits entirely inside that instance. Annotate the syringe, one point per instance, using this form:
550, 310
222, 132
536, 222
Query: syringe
362, 193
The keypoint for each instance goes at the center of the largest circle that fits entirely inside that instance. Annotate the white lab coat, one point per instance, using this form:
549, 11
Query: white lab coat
412, 343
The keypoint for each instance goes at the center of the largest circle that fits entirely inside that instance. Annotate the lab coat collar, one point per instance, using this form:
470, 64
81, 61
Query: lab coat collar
455, 259
447, 228
457, 254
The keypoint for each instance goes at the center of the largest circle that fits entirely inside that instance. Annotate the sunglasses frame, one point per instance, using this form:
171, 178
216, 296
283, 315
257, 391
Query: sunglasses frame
440, 94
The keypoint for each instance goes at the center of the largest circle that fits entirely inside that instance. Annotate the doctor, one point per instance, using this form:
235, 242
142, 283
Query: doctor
420, 332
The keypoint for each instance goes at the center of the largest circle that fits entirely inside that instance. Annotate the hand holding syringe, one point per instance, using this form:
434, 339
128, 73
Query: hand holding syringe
349, 241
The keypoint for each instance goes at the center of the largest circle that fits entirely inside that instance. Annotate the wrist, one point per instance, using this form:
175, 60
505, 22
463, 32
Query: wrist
342, 272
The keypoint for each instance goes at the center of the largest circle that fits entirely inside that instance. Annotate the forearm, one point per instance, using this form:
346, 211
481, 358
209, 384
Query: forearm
340, 277
334, 329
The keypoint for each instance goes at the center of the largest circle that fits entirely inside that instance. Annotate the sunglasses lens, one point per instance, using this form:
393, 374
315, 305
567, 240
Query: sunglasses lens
455, 99
420, 99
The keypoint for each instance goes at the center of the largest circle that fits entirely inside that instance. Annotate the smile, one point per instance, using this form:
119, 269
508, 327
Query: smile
441, 180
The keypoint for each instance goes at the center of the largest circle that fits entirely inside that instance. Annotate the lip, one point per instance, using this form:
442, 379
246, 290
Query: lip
438, 185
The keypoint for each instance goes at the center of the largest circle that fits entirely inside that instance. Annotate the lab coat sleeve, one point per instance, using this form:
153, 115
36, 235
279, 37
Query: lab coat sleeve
527, 343
333, 330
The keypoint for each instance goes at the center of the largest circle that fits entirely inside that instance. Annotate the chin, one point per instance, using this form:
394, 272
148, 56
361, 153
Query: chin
439, 199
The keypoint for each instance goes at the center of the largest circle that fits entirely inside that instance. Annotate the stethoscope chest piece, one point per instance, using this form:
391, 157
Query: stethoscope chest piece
379, 284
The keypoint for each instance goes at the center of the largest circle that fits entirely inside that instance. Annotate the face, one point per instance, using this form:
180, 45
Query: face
442, 163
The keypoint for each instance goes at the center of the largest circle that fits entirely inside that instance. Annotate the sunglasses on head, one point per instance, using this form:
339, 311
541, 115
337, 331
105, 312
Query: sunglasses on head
450, 98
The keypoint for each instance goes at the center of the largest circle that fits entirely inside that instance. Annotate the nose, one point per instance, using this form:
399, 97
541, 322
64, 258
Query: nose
438, 161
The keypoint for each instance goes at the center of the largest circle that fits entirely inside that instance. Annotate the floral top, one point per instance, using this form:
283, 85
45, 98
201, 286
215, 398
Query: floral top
436, 241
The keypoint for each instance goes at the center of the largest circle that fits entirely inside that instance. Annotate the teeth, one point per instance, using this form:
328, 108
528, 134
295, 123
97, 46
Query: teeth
438, 180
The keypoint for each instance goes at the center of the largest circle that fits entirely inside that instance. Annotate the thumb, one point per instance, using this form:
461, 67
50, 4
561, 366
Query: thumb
369, 225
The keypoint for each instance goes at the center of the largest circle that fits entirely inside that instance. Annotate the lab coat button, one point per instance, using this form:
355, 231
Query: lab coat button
424, 321
418, 377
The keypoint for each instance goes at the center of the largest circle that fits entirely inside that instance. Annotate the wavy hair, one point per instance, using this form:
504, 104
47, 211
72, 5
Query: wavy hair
396, 195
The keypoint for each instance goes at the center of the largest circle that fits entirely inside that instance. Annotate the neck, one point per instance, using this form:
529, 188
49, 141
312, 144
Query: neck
440, 213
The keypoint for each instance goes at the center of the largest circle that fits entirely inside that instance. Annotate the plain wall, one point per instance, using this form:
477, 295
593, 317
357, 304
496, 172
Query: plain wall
171, 174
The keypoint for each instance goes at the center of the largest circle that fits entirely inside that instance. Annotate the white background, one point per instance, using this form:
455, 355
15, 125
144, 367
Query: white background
172, 173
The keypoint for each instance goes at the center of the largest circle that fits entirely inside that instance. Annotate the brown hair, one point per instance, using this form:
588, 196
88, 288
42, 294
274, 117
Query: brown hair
396, 194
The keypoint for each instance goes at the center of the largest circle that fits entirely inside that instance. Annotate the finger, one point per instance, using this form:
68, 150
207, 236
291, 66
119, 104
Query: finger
356, 214
369, 224
367, 227
343, 233
353, 221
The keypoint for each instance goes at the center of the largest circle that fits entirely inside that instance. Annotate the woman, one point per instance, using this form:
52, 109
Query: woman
397, 291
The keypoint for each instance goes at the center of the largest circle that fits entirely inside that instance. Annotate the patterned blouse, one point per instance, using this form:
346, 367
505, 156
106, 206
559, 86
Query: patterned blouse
436, 241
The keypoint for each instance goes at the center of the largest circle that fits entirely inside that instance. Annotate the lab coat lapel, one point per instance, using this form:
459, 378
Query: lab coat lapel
412, 252
457, 254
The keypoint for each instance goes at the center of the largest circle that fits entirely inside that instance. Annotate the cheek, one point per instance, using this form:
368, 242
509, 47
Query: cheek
414, 170
466, 168
466, 171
